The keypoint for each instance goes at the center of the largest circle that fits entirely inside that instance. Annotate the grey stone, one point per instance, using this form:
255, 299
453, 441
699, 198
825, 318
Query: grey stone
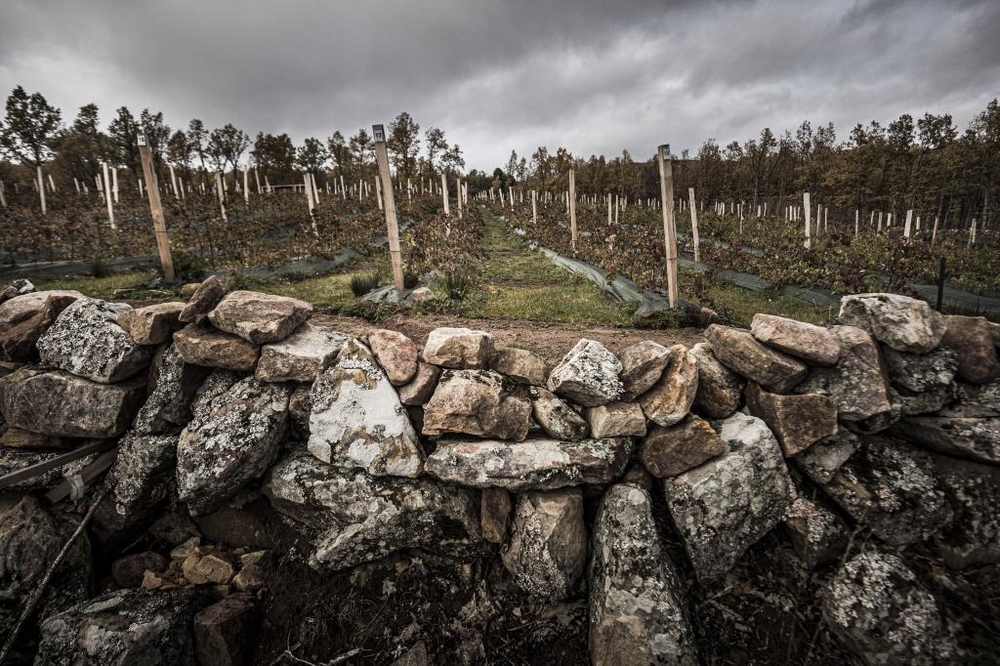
152, 324
557, 419
739, 350
719, 388
972, 339
139, 480
259, 318
821, 461
168, 408
642, 365
301, 356
972, 538
905, 324
921, 372
587, 375
809, 342
477, 402
521, 366
818, 535
969, 437
670, 399
24, 319
458, 348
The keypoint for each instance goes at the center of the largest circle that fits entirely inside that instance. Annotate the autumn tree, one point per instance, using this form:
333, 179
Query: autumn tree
362, 149
157, 134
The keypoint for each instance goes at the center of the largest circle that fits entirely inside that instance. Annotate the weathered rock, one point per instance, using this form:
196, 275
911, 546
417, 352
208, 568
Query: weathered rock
203, 300
970, 437
153, 324
536, 464
976, 400
87, 341
458, 348
972, 339
913, 404
739, 350
616, 419
358, 518
24, 319
638, 613
972, 538
128, 571
16, 288
13, 460
226, 631
420, 389
202, 345
905, 324
642, 365
168, 408
357, 419
300, 410
921, 372
16, 438
638, 474
891, 488
259, 318
477, 402
556, 418
61, 404
139, 479
724, 506
821, 461
587, 375
232, 439
719, 388
817, 534
798, 421
671, 397
209, 569
547, 550
251, 575
123, 627
415, 656
877, 608
521, 366
857, 384
809, 342
667, 452
396, 353
301, 356
494, 514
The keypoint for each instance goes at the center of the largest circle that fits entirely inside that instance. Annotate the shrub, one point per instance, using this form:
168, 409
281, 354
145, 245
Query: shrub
362, 283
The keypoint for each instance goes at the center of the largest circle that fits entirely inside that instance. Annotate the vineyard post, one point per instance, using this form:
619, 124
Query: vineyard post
173, 181
458, 189
694, 223
343, 191
159, 223
444, 193
409, 190
826, 219
378, 194
267, 185
972, 233
572, 207
180, 182
534, 207
219, 187
918, 223
669, 232
256, 178
52, 183
309, 193
77, 184
510, 191
909, 222
857, 220
246, 186
41, 188
609, 209
808, 211
3, 197
114, 182
934, 231
312, 183
879, 222
107, 197
382, 157
500, 192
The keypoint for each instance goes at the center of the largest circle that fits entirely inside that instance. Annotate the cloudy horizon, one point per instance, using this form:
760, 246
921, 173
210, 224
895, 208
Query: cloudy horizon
594, 78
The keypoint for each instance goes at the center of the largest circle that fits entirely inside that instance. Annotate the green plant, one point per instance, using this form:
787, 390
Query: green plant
411, 280
458, 283
362, 283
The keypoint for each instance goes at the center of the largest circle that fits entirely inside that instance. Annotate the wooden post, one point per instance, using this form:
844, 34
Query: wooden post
934, 231
382, 157
669, 231
107, 197
220, 189
808, 210
444, 194
159, 223
571, 200
458, 190
3, 196
41, 188
534, 207
246, 186
909, 222
114, 182
694, 223
173, 180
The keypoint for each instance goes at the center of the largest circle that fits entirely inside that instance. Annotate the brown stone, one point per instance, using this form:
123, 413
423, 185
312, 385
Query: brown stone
16, 438
642, 365
494, 514
740, 351
153, 324
671, 397
812, 343
202, 345
128, 571
458, 348
476, 402
207, 569
225, 632
556, 417
24, 319
203, 300
798, 421
251, 575
521, 366
299, 409
396, 353
972, 339
616, 419
259, 318
420, 389
719, 388
671, 451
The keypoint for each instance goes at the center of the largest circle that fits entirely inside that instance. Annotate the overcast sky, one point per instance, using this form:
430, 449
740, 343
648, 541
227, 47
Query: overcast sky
497, 75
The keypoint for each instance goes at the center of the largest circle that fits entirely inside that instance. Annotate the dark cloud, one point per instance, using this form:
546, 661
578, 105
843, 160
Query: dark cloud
595, 77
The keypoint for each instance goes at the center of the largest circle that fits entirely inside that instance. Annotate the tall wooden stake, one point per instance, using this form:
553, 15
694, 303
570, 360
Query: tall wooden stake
694, 223
572, 206
534, 207
159, 223
41, 188
220, 188
444, 194
107, 196
808, 209
382, 156
246, 186
669, 230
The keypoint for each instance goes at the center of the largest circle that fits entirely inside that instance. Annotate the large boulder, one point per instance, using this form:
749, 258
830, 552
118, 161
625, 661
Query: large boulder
87, 341
642, 365
667, 452
536, 464
259, 318
458, 348
638, 612
520, 365
808, 342
905, 324
301, 356
397, 354
724, 506
975, 438
153, 324
972, 339
671, 397
203, 300
354, 517
203, 345
587, 375
477, 402
24, 319
719, 388
547, 549
232, 440
357, 419
61, 404
556, 418
798, 421
739, 350
878, 609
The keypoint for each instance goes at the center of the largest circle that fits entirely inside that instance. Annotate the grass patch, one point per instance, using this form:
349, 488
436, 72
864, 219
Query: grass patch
331, 291
739, 305
570, 303
96, 287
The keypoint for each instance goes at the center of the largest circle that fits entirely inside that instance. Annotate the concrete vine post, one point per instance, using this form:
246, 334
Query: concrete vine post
534, 207
444, 194
572, 207
41, 188
669, 230
909, 222
246, 186
222, 196
694, 224
156, 208
3, 196
458, 189
382, 157
107, 197
808, 216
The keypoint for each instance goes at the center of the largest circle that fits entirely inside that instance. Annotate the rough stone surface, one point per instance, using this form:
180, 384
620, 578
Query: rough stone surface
972, 538
204, 299
857, 384
970, 437
259, 318
420, 389
458, 348
13, 460
536, 464
139, 479
301, 356
739, 350
670, 399
817, 533
809, 342
477, 402
128, 571
226, 631
208, 569
152, 324
396, 353
921, 372
168, 408
821, 461
905, 324
878, 609
798, 421
16, 288
232, 439
972, 339
16, 438
638, 613
521, 366
202, 345
587, 375
616, 419
87, 341
24, 319
719, 388
556, 418
667, 452
494, 514
891, 488
912, 404
355, 517
123, 627
357, 419
547, 550
300, 410
977, 400
642, 365
724, 506
61, 404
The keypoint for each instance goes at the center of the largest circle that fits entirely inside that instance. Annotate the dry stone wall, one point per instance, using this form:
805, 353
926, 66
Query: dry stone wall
883, 429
